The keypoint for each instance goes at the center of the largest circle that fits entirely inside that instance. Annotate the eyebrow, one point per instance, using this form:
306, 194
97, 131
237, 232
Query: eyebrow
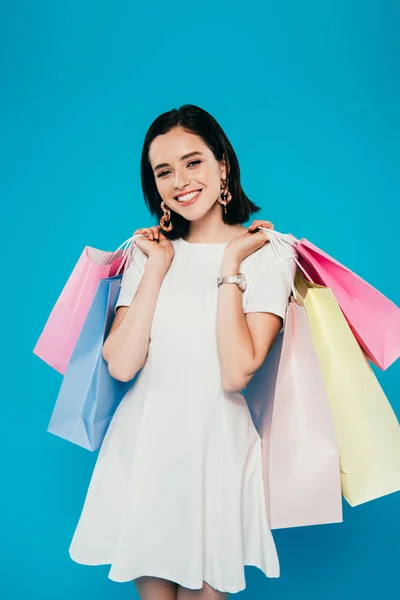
182, 158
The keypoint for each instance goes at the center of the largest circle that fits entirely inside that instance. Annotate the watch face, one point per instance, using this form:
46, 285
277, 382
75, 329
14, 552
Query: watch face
242, 282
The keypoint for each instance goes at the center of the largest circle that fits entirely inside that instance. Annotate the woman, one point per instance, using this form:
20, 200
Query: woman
176, 500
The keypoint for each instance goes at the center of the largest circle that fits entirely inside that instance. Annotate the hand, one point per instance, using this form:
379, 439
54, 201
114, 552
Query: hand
157, 247
243, 245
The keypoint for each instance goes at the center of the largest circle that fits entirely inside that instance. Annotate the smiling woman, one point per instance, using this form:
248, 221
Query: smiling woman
176, 501
186, 150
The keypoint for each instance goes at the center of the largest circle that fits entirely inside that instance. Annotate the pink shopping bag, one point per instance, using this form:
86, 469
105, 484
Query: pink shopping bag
62, 329
373, 318
289, 406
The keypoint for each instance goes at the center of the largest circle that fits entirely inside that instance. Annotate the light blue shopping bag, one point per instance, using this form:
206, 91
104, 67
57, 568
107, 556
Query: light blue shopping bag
89, 396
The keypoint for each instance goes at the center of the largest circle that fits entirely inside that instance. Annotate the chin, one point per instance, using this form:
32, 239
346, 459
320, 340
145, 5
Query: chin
196, 213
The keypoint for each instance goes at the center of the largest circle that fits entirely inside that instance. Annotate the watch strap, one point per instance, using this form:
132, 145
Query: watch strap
228, 279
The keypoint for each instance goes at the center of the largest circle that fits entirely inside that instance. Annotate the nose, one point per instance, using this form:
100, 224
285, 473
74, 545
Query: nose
179, 181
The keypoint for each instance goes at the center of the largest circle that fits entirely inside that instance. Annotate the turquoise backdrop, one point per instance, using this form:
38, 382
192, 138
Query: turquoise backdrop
309, 95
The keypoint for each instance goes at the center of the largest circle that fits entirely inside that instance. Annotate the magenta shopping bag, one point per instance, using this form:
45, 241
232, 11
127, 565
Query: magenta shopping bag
373, 318
289, 406
61, 331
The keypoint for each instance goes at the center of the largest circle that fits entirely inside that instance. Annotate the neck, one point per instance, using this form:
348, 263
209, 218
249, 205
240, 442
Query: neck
210, 229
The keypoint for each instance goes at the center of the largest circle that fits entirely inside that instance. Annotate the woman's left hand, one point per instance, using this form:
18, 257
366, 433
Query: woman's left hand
243, 245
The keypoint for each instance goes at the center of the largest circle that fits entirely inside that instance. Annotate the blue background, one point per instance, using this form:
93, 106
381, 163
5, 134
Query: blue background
309, 95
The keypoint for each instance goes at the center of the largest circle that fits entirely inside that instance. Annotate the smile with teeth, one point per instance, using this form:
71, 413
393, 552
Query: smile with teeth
188, 198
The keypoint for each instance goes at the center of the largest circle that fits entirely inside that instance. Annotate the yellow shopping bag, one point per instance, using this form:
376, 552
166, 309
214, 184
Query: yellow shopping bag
366, 426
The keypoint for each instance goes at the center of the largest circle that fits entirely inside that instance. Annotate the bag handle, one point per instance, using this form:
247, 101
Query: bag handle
126, 253
280, 243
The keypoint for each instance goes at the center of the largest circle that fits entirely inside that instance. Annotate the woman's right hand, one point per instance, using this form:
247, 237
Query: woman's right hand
156, 246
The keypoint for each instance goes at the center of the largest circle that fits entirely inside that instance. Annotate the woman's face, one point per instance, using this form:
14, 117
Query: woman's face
178, 174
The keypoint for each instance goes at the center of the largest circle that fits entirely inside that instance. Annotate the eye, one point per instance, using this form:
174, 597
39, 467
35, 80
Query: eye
192, 162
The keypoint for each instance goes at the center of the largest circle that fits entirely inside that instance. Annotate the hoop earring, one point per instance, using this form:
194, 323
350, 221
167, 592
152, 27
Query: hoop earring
225, 196
166, 217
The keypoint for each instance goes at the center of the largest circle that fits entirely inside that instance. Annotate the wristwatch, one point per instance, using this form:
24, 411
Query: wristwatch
239, 279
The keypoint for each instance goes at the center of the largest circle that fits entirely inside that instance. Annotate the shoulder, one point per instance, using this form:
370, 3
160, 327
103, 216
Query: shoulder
266, 261
264, 257
271, 256
137, 258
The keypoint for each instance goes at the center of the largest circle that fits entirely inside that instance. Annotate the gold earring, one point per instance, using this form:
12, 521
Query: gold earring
225, 196
166, 217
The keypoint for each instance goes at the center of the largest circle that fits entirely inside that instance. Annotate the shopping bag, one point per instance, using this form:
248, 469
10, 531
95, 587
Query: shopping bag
366, 426
288, 403
373, 318
61, 331
89, 396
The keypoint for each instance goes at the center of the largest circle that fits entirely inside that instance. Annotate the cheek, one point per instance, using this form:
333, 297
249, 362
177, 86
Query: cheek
208, 177
162, 187
213, 182
208, 174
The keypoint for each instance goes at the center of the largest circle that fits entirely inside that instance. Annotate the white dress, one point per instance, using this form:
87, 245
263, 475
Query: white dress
177, 490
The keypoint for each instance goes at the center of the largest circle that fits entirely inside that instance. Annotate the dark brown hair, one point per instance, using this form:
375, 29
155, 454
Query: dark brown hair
198, 121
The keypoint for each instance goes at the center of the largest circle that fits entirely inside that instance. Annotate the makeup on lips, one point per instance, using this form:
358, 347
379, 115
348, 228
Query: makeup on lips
187, 199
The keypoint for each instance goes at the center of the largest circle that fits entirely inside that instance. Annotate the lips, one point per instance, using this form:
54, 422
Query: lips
187, 202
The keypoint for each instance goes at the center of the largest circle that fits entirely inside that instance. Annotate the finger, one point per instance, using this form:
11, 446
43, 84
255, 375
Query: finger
145, 231
266, 224
252, 226
260, 223
257, 224
163, 238
149, 232
140, 232
263, 235
155, 230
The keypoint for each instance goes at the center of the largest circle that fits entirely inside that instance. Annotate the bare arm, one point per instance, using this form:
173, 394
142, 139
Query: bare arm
126, 347
243, 340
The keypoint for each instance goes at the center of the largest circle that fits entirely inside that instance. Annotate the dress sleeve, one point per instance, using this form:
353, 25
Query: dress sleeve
269, 288
132, 277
